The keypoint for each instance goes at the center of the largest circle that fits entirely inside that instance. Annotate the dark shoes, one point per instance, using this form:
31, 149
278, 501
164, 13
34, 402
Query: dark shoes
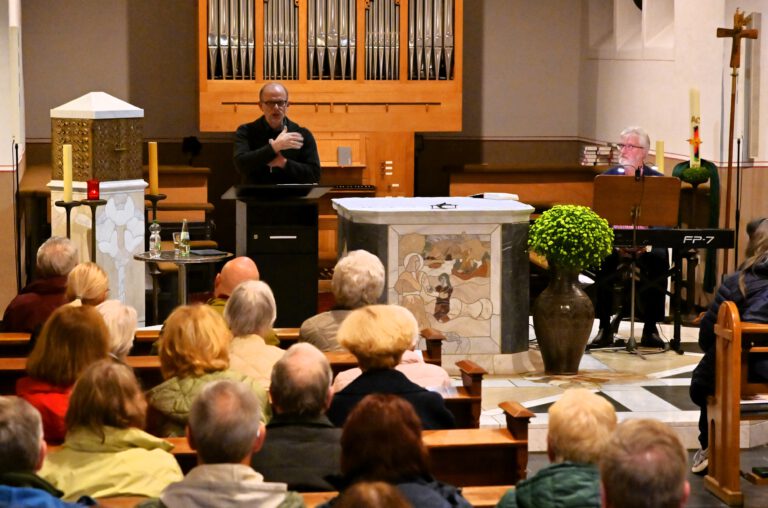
604, 339
652, 340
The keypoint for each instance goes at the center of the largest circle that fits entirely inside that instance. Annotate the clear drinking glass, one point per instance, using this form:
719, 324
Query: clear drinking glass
176, 243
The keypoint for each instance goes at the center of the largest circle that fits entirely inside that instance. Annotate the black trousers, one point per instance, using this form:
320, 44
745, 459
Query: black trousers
651, 289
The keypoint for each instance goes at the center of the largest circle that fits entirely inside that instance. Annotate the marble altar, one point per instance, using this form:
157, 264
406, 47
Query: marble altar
459, 264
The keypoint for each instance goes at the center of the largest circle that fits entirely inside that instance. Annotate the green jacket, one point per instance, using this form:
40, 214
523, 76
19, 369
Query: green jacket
127, 462
564, 485
171, 401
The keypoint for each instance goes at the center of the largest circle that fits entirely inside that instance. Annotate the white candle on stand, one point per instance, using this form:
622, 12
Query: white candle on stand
66, 156
695, 139
660, 156
153, 184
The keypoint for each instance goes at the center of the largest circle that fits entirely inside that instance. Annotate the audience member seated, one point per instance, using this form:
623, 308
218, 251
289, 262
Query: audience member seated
250, 313
358, 280
225, 430
235, 272
381, 441
644, 465
194, 351
378, 335
29, 310
412, 364
71, 339
372, 495
121, 321
105, 452
87, 284
302, 447
580, 425
748, 289
22, 450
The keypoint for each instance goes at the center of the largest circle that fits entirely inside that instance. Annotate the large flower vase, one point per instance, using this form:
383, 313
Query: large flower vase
562, 319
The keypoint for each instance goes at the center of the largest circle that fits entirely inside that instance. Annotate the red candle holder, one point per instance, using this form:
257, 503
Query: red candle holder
93, 189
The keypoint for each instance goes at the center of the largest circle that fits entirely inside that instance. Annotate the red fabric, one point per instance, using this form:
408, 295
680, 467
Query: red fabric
51, 401
29, 310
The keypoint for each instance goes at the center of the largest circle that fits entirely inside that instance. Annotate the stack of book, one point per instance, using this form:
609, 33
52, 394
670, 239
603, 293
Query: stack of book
593, 155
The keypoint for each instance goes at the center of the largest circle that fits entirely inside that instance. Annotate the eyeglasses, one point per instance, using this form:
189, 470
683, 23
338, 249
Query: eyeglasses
272, 104
622, 146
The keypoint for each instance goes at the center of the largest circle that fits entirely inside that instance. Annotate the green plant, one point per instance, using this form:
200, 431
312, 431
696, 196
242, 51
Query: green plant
695, 176
571, 237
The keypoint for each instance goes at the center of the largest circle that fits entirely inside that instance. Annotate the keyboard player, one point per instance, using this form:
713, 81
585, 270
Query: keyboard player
653, 265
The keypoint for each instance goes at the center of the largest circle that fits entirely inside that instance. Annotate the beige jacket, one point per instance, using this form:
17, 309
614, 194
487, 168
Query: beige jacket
251, 356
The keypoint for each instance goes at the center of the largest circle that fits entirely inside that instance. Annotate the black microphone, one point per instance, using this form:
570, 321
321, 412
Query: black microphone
638, 174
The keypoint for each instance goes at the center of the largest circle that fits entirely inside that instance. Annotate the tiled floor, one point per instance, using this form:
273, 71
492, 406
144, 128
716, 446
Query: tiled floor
655, 386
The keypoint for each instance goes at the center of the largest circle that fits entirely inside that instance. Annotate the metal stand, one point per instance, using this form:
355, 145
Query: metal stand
154, 199
93, 204
68, 206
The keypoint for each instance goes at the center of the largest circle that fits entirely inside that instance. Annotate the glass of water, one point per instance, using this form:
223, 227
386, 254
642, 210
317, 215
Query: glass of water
176, 243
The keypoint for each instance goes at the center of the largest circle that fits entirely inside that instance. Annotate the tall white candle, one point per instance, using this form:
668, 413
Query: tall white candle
66, 156
660, 156
695, 139
153, 177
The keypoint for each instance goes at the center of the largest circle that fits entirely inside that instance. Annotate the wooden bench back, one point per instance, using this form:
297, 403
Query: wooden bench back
735, 342
461, 457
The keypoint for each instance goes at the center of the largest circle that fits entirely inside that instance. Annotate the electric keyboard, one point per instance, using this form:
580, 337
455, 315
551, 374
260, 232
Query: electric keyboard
675, 238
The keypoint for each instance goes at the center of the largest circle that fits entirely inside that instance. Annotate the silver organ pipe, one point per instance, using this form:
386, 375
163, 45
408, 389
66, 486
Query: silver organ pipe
332, 39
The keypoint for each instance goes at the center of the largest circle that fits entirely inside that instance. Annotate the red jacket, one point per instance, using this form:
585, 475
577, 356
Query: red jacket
32, 306
52, 402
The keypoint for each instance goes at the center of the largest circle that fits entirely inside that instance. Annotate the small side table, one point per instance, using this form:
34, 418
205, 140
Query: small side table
182, 262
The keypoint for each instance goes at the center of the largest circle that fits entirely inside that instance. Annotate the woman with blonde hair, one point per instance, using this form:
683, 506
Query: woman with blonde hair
378, 335
748, 289
121, 321
87, 284
106, 452
71, 339
194, 351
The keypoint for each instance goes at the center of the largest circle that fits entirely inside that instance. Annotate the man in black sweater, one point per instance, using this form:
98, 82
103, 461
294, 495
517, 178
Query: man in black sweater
273, 149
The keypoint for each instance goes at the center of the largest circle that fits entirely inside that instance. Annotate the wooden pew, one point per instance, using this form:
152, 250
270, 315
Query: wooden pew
479, 497
461, 457
465, 404
736, 341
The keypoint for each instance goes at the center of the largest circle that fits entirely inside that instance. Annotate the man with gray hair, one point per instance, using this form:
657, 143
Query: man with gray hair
653, 265
29, 310
225, 429
358, 280
303, 446
22, 450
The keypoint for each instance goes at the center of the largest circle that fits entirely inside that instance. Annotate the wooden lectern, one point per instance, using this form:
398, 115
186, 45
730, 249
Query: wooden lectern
277, 228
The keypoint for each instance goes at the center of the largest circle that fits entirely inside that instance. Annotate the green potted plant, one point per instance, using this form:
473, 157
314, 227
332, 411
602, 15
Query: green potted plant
571, 238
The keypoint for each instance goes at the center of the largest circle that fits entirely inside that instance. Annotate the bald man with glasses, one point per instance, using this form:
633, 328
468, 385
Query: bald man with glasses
653, 264
273, 149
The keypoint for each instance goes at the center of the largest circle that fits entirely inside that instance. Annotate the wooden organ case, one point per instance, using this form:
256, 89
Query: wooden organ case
363, 75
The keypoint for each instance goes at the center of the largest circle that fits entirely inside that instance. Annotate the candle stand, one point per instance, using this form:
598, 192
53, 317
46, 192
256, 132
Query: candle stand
154, 199
93, 204
68, 206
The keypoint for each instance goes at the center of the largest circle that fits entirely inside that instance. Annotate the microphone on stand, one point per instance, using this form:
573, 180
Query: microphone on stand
638, 174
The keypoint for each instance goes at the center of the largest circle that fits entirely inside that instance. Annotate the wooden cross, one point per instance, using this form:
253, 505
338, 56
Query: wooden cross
737, 33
